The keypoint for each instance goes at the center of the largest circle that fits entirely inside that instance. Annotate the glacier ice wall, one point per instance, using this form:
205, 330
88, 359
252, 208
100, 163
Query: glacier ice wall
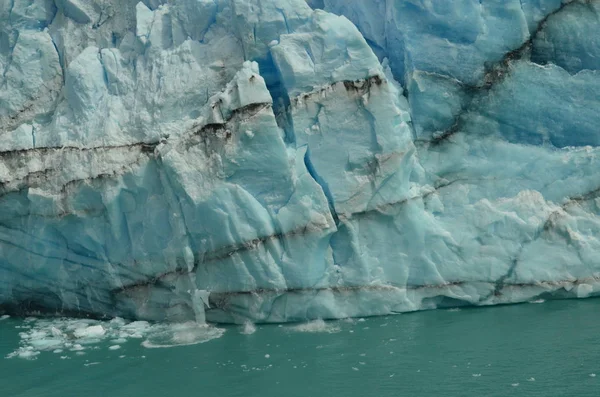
283, 160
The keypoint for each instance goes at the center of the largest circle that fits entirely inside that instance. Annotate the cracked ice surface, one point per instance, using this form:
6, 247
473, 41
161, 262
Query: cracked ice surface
235, 161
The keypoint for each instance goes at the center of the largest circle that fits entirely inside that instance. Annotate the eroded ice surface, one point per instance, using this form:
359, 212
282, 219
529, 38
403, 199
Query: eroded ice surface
265, 161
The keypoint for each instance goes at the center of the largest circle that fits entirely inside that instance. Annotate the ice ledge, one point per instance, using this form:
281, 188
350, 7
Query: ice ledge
273, 306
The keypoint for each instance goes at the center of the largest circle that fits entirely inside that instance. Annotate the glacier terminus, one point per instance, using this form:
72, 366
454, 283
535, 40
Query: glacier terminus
288, 160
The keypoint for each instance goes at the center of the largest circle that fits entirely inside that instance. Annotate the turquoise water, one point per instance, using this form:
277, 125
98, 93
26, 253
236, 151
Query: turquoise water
548, 349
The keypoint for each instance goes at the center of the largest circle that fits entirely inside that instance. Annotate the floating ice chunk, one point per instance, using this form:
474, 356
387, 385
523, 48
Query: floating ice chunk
93, 331
46, 343
28, 354
58, 334
35, 334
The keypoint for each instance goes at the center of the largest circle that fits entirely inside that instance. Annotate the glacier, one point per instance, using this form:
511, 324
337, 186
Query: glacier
288, 160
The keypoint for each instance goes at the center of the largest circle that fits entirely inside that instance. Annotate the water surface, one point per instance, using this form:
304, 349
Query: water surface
549, 349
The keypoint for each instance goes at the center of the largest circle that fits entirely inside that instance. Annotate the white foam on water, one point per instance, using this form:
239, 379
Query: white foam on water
78, 335
4, 317
184, 334
537, 301
248, 329
316, 326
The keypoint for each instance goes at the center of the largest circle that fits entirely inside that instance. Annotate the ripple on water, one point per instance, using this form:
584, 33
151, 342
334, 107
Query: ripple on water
316, 326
